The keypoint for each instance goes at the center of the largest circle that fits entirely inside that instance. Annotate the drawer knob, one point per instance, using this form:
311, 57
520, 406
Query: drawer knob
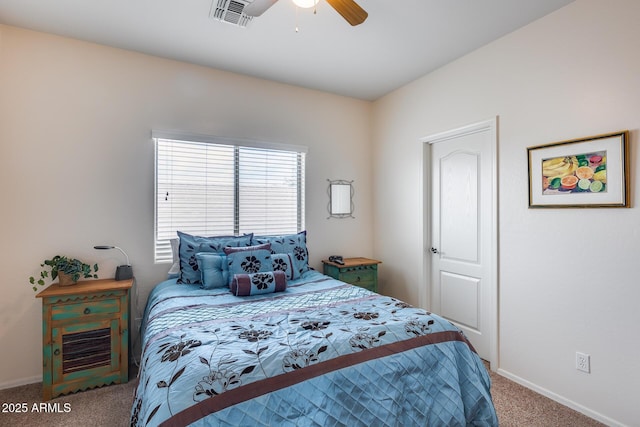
57, 352
87, 310
358, 279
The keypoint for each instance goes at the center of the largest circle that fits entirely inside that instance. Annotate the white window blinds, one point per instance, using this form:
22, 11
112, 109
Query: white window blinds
218, 187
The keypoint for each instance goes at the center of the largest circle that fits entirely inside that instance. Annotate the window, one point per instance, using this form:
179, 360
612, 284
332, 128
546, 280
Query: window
212, 186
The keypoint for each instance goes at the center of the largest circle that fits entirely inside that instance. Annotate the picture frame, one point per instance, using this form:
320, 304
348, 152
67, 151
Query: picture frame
591, 172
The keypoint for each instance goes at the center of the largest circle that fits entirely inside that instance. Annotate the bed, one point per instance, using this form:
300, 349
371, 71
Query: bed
318, 353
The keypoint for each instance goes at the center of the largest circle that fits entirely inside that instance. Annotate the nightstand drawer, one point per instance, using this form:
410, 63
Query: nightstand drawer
361, 272
358, 275
87, 308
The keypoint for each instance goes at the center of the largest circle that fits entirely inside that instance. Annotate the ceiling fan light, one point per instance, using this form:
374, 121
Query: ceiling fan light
305, 4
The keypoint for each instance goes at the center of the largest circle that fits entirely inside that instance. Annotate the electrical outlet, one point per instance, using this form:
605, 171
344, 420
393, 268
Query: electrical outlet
583, 362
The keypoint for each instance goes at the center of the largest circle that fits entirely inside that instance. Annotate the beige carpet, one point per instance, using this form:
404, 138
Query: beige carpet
110, 406
518, 406
104, 406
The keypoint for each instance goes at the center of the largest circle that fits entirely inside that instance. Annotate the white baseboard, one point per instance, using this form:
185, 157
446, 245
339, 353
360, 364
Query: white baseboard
562, 400
22, 381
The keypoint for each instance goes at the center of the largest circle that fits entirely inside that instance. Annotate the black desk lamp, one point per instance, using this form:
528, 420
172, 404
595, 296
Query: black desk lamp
123, 272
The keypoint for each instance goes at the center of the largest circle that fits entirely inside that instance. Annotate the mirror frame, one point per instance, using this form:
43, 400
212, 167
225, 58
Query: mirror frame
340, 199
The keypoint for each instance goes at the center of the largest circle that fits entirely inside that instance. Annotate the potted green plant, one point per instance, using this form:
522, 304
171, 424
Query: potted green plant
68, 270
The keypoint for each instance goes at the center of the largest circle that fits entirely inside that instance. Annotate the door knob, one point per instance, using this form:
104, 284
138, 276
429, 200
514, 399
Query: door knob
434, 250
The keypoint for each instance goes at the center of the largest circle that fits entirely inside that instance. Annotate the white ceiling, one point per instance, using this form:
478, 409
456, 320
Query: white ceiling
400, 41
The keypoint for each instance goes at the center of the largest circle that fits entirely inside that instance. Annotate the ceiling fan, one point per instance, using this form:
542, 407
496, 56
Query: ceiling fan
349, 9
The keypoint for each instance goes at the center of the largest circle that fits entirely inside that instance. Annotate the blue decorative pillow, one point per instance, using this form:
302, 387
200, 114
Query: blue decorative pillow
191, 245
284, 263
292, 244
214, 270
244, 285
254, 259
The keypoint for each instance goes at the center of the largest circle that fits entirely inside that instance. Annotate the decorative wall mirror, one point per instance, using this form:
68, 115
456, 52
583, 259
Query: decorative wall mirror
340, 199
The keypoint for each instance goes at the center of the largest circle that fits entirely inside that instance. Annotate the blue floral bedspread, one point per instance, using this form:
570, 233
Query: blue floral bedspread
322, 353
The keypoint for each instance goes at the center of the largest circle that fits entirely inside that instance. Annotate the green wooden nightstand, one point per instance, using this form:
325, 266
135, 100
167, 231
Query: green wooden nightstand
361, 272
85, 335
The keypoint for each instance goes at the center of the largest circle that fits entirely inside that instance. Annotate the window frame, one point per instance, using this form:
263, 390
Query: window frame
162, 247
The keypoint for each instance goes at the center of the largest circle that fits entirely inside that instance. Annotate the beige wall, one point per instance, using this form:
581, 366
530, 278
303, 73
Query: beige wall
76, 162
568, 278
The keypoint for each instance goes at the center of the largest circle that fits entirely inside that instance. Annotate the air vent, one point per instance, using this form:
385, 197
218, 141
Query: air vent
230, 11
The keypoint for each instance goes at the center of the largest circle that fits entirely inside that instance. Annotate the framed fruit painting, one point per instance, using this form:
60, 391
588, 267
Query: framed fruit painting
590, 172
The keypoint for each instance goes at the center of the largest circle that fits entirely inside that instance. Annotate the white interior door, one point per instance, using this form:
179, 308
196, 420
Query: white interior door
462, 239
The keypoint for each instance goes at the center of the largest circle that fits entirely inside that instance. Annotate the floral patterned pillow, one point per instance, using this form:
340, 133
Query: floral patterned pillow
244, 285
284, 263
191, 245
249, 260
292, 244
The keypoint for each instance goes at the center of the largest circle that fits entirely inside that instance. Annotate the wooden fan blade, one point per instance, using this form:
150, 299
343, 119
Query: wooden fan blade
258, 7
350, 10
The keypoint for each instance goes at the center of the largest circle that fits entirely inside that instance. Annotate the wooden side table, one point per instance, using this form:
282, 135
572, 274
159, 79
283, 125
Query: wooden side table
361, 272
85, 335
